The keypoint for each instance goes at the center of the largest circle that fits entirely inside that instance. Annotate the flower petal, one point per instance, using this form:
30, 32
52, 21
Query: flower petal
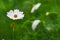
35, 23
35, 7
21, 12
10, 14
20, 16
16, 11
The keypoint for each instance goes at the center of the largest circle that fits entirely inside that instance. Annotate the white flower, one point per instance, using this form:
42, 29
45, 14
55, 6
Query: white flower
35, 23
16, 14
35, 7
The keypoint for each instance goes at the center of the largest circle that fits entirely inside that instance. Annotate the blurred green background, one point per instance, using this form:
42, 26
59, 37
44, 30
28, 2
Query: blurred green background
22, 28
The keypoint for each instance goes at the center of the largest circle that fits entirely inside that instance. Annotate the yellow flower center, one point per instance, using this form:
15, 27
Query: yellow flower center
15, 16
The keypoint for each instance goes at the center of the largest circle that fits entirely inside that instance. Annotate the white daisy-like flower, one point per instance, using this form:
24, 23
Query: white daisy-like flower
15, 14
35, 7
35, 23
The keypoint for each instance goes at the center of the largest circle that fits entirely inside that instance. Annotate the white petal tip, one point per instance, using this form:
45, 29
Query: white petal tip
35, 23
35, 7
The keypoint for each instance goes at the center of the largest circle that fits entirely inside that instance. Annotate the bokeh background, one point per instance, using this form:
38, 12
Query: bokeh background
48, 29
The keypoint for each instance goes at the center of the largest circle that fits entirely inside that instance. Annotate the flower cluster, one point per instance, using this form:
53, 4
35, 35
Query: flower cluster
16, 14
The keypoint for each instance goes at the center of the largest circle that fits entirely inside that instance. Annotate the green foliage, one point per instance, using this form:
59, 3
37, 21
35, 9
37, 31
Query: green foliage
22, 28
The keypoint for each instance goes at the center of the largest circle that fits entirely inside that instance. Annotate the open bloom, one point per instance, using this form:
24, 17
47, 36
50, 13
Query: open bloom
35, 24
15, 14
35, 7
